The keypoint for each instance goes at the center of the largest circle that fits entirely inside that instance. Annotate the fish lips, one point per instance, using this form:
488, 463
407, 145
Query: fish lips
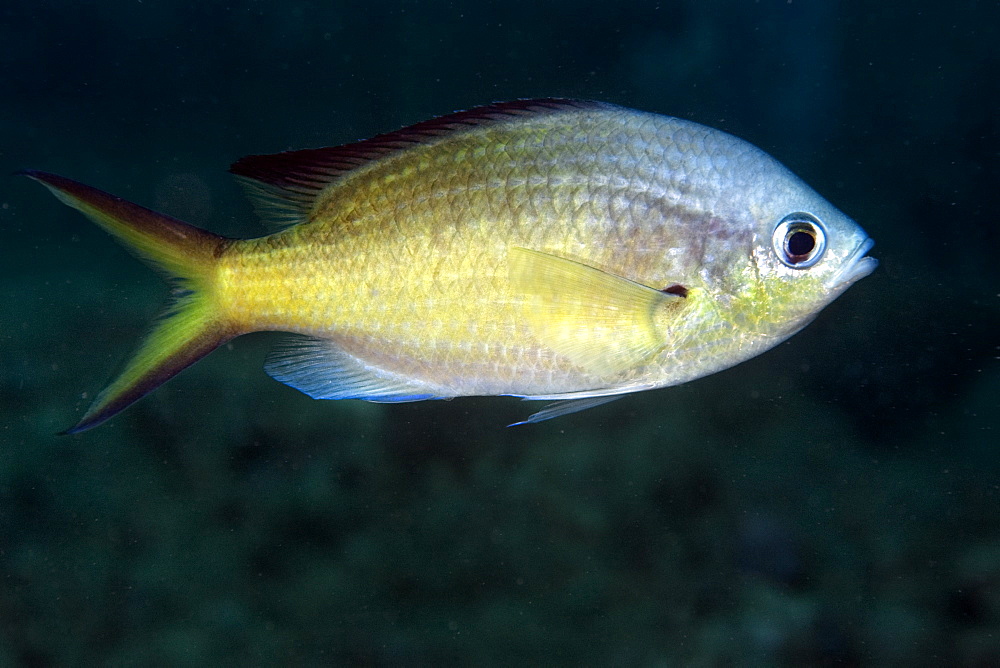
857, 266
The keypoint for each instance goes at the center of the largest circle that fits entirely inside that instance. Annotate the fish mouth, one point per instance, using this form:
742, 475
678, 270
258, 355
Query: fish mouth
857, 266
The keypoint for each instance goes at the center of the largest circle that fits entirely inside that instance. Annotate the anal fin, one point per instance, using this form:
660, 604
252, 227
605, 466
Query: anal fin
322, 370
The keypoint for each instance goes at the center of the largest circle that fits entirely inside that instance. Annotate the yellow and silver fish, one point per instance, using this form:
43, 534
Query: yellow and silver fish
546, 249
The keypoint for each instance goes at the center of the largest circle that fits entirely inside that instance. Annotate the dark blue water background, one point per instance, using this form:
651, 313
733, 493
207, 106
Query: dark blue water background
834, 501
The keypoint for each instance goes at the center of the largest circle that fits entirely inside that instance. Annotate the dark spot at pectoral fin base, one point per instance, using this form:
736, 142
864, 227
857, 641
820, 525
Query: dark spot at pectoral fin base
323, 371
676, 289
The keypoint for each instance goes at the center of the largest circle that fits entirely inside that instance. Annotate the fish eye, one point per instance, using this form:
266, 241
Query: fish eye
799, 240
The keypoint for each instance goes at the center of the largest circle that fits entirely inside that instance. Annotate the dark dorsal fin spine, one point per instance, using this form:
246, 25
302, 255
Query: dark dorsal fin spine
286, 184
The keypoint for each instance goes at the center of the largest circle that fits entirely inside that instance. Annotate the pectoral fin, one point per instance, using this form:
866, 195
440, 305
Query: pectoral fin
603, 323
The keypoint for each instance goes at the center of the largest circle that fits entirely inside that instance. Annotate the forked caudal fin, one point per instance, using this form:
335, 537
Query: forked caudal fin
190, 328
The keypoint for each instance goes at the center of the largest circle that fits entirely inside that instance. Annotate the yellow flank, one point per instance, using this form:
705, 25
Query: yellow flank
396, 304
405, 263
391, 257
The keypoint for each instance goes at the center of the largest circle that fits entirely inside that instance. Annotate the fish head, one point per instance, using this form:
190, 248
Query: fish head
803, 254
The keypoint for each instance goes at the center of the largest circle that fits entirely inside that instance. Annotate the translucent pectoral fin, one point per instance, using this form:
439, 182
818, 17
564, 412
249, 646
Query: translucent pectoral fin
603, 323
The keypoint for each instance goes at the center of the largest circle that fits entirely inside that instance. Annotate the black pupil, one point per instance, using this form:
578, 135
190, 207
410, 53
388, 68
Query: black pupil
800, 243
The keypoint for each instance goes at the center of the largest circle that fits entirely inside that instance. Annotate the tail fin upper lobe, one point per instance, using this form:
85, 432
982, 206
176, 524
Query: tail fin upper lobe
191, 327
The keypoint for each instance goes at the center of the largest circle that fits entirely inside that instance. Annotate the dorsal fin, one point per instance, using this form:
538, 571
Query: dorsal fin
284, 186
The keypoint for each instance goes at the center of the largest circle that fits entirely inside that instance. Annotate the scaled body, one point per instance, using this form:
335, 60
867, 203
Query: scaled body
546, 249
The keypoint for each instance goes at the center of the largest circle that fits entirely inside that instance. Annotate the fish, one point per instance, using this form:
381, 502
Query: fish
550, 249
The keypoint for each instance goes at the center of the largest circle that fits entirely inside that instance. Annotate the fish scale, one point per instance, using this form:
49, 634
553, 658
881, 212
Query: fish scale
520, 248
